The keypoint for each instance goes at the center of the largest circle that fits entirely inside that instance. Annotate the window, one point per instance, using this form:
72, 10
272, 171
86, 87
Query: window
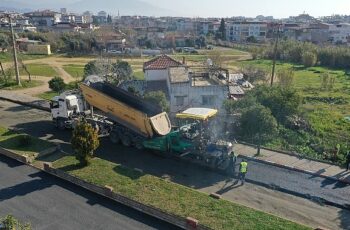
179, 100
54, 105
208, 100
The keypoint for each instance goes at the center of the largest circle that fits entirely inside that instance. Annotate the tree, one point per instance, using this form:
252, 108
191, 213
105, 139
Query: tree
217, 58
109, 19
158, 98
201, 41
258, 124
221, 34
91, 69
309, 59
122, 71
283, 102
252, 39
285, 77
84, 142
232, 106
253, 73
57, 84
10, 222
5, 40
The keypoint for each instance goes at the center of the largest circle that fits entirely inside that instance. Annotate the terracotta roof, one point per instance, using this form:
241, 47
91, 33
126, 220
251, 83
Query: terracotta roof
161, 62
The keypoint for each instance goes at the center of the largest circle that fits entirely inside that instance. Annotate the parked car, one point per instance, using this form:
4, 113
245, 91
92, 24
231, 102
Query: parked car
114, 52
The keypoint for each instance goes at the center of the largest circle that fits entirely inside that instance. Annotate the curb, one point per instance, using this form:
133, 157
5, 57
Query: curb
187, 223
294, 154
294, 168
29, 104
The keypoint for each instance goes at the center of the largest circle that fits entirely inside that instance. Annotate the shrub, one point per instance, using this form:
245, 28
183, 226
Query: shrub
84, 142
309, 59
24, 140
57, 84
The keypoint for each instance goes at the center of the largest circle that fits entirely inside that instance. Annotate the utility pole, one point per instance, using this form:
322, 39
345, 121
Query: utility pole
18, 80
275, 55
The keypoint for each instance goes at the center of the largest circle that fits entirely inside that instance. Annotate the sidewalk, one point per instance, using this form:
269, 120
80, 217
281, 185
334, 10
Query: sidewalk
294, 162
24, 99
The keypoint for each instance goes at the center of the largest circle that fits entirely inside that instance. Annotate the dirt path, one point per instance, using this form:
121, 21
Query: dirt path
56, 65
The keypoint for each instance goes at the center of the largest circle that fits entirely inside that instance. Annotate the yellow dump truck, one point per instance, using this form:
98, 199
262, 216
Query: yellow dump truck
139, 116
132, 121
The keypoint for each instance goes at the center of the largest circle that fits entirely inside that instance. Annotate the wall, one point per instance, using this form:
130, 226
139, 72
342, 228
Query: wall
156, 75
39, 49
194, 96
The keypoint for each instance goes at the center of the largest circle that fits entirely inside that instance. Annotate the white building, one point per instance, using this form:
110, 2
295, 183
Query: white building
240, 31
88, 16
190, 90
340, 33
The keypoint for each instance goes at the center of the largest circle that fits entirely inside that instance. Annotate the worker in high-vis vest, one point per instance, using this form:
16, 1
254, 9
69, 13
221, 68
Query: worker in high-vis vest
243, 169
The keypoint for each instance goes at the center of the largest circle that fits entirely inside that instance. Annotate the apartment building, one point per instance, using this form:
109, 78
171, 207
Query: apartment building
241, 31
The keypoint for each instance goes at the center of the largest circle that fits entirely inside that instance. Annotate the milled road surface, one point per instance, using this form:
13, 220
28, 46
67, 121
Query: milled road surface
50, 203
300, 183
37, 123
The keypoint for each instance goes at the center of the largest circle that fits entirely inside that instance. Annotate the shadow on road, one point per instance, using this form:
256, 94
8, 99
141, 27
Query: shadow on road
40, 181
336, 184
344, 216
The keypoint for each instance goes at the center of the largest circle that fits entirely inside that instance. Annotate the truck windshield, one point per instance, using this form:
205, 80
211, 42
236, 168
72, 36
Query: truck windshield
54, 105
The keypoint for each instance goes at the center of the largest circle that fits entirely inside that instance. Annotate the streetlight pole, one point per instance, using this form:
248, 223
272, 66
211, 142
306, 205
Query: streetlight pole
18, 80
275, 55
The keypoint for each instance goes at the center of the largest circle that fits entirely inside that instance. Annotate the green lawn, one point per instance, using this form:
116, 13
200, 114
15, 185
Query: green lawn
12, 85
8, 57
325, 110
14, 141
47, 95
173, 198
76, 71
35, 70
139, 75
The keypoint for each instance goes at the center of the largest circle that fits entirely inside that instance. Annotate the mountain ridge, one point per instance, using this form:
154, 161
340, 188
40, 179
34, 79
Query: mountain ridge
130, 7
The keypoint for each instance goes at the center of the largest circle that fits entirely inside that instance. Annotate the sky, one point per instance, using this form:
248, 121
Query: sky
252, 8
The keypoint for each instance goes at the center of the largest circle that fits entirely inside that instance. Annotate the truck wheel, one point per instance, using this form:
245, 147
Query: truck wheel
126, 140
60, 124
113, 136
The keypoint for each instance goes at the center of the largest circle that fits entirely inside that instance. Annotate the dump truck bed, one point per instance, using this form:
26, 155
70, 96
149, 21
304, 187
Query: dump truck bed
126, 109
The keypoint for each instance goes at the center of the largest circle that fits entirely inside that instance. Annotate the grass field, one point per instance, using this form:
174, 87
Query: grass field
15, 141
47, 95
76, 71
35, 70
173, 198
8, 57
325, 110
12, 85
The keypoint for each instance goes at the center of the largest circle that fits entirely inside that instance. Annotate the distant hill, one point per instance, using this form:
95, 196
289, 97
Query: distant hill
128, 7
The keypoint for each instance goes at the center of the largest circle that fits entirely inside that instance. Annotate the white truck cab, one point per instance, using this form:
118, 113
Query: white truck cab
65, 107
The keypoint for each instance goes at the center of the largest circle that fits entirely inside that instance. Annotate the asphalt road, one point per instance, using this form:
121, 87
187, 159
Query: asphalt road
50, 203
38, 123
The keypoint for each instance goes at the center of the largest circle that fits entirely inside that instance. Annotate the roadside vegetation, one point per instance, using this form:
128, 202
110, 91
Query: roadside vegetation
11, 84
21, 143
171, 197
11, 223
324, 111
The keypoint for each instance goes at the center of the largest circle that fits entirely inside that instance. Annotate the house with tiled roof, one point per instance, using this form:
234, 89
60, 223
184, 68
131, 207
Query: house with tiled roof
157, 69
